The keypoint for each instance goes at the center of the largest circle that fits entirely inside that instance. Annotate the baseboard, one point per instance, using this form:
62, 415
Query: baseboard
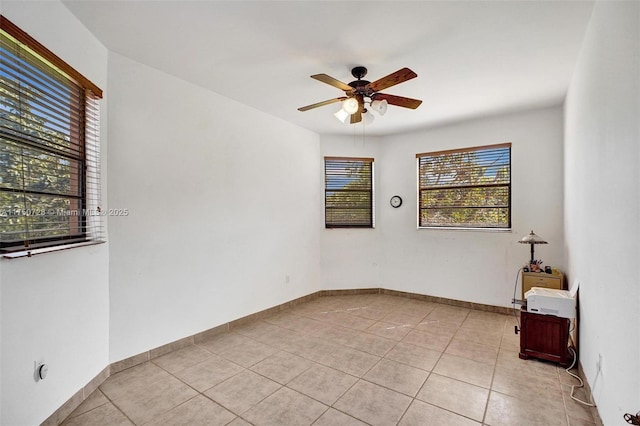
67, 408
223, 328
422, 297
452, 302
587, 391
72, 403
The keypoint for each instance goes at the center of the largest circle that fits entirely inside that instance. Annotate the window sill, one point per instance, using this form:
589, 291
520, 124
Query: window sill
33, 252
453, 228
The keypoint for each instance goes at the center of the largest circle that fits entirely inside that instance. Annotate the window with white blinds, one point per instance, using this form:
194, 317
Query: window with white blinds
49, 148
348, 192
465, 188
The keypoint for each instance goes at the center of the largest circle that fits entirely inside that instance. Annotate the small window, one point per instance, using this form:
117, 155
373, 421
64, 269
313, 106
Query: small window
49, 152
348, 194
465, 188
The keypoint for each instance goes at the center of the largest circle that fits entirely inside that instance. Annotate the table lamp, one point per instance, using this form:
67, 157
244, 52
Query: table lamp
532, 239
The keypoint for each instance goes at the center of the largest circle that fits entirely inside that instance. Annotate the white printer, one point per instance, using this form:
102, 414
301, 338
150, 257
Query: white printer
549, 301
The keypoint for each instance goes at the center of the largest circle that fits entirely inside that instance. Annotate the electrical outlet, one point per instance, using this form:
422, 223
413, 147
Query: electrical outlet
40, 370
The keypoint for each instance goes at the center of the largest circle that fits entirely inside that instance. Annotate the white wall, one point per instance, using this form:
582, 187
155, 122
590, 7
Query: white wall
602, 210
352, 257
54, 306
193, 168
477, 266
223, 204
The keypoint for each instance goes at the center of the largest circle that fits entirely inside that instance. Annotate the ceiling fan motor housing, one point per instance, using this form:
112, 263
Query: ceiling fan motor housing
358, 72
359, 85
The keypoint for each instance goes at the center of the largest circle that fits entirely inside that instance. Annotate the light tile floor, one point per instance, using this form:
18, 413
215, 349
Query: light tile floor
345, 360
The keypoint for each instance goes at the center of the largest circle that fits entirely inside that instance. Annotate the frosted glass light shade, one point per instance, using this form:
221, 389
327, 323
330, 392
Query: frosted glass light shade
342, 116
367, 117
350, 105
380, 106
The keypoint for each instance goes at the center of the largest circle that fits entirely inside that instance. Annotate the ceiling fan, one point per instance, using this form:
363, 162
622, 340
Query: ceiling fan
361, 92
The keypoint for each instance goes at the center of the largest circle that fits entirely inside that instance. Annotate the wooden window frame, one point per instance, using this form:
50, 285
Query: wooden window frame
77, 154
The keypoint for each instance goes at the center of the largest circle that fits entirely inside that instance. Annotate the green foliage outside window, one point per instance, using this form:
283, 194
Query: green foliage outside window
468, 188
39, 180
49, 156
348, 193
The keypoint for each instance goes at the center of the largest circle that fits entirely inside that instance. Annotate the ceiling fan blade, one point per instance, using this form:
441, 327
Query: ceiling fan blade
323, 103
398, 100
332, 82
392, 79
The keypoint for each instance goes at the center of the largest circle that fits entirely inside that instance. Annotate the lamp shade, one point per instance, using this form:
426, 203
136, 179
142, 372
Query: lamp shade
342, 115
380, 106
367, 117
532, 239
350, 105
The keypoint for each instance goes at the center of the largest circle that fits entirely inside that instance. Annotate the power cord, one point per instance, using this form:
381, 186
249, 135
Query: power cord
513, 301
575, 358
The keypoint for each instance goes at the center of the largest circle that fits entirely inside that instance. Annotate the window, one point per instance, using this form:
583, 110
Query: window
348, 193
465, 188
49, 152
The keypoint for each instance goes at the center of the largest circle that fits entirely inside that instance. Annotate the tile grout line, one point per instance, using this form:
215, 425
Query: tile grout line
115, 406
310, 332
493, 375
243, 369
329, 324
281, 385
432, 372
441, 353
362, 377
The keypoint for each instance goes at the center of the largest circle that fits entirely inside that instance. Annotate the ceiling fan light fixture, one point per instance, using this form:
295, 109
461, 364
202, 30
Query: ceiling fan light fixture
360, 93
380, 106
342, 116
350, 105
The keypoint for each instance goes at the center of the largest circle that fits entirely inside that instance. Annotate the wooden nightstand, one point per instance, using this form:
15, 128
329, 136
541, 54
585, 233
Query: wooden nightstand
544, 337
541, 279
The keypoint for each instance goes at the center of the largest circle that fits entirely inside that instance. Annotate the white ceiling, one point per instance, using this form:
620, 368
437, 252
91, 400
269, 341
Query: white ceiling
473, 58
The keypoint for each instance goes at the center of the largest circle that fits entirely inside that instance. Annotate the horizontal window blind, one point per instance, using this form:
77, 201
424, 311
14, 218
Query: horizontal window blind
465, 188
348, 192
49, 149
